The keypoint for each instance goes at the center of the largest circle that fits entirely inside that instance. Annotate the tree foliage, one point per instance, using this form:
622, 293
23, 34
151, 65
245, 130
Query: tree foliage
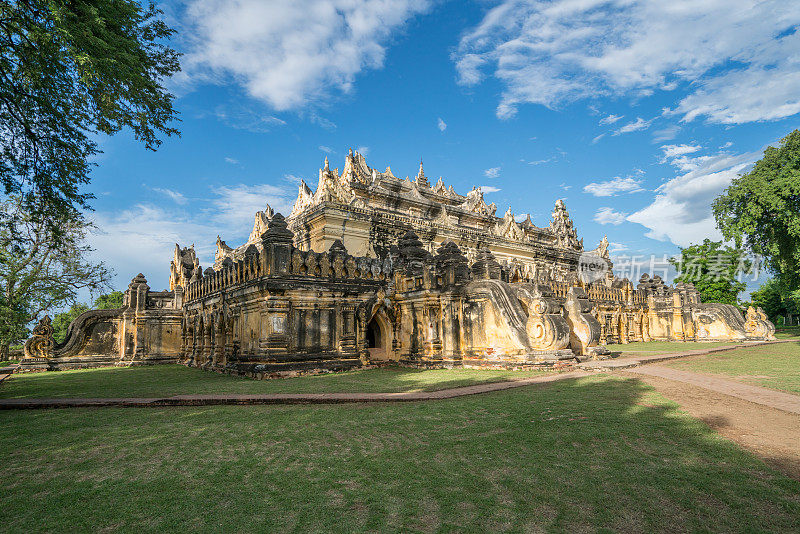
69, 70
714, 269
37, 273
776, 299
761, 209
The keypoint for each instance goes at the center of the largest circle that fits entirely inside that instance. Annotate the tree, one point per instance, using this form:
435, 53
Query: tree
776, 299
110, 301
38, 273
61, 321
69, 70
713, 269
760, 210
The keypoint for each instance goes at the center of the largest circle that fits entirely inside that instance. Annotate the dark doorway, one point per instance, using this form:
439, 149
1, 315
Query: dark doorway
373, 335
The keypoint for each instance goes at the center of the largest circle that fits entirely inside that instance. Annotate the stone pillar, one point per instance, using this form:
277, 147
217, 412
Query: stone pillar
677, 318
451, 327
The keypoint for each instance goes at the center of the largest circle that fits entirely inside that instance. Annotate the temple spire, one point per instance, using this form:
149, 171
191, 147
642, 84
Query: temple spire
421, 179
326, 168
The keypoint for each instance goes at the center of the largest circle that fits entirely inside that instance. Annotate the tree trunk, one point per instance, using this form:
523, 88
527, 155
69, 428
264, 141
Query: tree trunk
3, 351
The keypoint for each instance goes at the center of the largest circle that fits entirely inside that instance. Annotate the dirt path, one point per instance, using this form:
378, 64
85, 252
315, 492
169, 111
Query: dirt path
768, 397
770, 433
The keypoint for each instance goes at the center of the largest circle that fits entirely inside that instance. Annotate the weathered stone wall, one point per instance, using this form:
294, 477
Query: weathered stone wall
147, 329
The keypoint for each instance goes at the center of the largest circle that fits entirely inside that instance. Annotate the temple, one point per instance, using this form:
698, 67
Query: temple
371, 268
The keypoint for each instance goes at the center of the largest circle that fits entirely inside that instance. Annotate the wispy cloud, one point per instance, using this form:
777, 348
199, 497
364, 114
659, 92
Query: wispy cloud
326, 149
635, 126
489, 189
610, 119
249, 118
176, 197
736, 57
673, 151
494, 172
611, 187
441, 124
607, 215
232, 161
680, 212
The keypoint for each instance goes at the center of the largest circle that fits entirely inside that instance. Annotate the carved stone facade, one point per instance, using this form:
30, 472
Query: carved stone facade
371, 268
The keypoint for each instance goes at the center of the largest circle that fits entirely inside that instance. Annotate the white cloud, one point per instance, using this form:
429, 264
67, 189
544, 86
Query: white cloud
235, 206
248, 118
326, 149
540, 161
673, 151
289, 53
614, 248
293, 179
681, 210
142, 238
363, 150
176, 197
441, 125
488, 189
494, 172
521, 217
635, 126
738, 55
666, 133
610, 119
607, 215
597, 139
612, 187
232, 161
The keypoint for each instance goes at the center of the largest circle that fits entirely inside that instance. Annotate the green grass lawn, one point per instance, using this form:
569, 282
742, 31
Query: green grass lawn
788, 332
773, 366
665, 346
600, 453
168, 380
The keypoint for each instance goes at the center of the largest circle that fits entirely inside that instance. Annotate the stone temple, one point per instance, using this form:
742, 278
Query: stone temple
372, 268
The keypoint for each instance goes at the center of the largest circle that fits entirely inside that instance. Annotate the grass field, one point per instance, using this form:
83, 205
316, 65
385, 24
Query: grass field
773, 366
665, 346
788, 332
602, 452
168, 380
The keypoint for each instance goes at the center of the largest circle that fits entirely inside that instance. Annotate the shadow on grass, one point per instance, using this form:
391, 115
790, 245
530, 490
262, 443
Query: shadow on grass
599, 452
168, 380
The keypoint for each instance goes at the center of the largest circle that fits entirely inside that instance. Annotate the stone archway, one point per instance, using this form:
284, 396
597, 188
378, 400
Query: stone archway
378, 336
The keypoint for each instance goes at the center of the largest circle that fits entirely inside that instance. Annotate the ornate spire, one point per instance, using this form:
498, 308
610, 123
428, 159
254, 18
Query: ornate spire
420, 178
561, 226
327, 167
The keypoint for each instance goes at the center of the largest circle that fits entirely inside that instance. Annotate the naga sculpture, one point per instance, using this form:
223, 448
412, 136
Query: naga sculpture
41, 341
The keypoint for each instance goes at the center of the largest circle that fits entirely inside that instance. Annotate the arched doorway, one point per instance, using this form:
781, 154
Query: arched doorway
376, 339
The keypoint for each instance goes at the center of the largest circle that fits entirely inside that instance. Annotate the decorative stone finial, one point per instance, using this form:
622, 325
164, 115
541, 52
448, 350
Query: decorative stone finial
277, 231
486, 266
337, 247
411, 247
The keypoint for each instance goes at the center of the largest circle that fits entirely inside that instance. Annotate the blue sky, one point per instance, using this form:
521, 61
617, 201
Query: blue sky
637, 114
